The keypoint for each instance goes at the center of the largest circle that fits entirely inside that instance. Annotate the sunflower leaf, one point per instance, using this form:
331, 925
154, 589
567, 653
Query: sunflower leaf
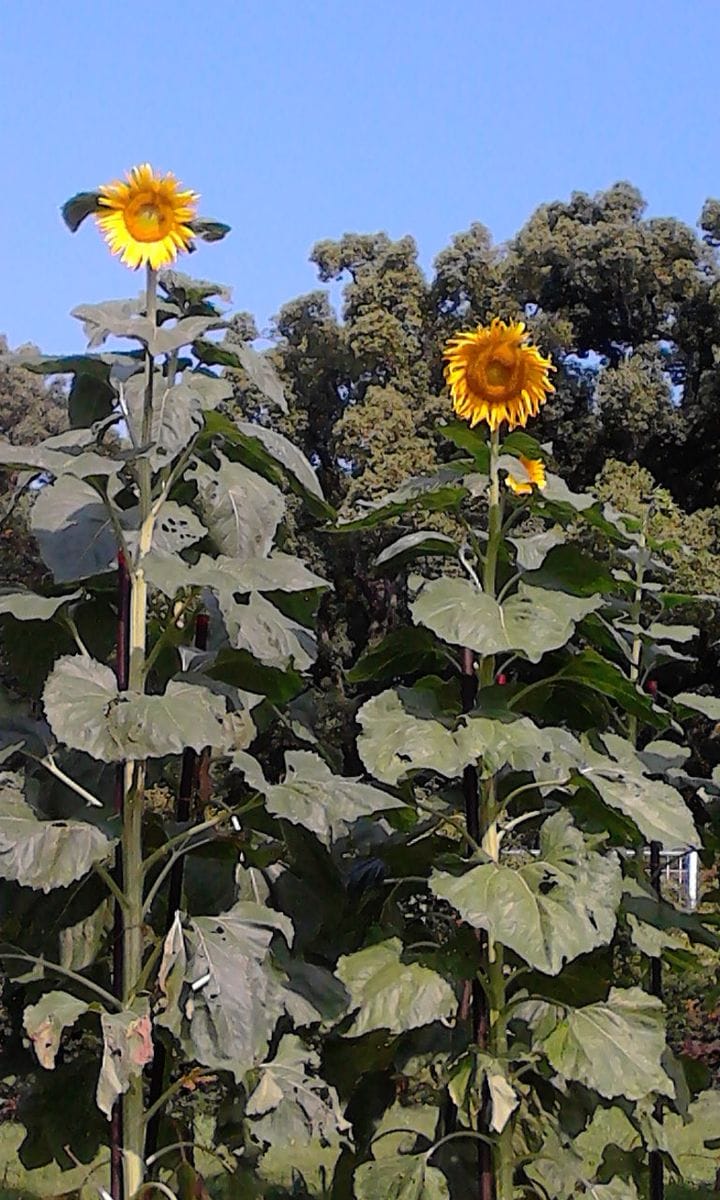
208, 230
78, 207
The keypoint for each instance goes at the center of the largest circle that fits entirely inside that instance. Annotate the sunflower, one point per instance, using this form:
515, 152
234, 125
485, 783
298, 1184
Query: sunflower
494, 375
147, 217
535, 471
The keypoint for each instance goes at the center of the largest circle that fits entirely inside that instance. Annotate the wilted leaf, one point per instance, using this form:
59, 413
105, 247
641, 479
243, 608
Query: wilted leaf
230, 1013
209, 231
291, 1102
551, 910
81, 943
44, 1023
475, 1070
390, 994
615, 1047
127, 1049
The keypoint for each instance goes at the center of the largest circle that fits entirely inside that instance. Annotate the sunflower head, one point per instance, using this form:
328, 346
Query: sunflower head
535, 471
146, 217
495, 375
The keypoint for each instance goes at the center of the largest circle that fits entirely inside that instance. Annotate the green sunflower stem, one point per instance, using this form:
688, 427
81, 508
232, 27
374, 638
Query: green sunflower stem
132, 850
503, 1162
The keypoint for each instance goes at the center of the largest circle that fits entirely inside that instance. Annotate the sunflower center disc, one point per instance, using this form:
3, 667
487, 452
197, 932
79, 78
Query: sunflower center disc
498, 373
148, 219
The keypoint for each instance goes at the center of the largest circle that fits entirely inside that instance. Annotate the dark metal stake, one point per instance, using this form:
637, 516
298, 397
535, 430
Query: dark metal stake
183, 804
479, 1009
657, 1174
122, 664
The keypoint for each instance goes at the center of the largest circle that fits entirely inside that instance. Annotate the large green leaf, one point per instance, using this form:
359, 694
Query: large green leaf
176, 416
389, 994
592, 670
268, 634
443, 491
176, 528
615, 1047
532, 550
87, 712
472, 440
568, 569
693, 1142
657, 809
404, 651
240, 669
415, 545
262, 374
394, 742
709, 706
70, 453
531, 622
74, 530
286, 453
406, 1177
237, 996
226, 576
209, 389
28, 606
45, 1021
549, 911
241, 509
311, 795
44, 854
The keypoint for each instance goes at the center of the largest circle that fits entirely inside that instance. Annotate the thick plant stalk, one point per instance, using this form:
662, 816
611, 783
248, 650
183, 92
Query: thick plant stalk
657, 1171
182, 813
503, 1163
478, 999
121, 672
133, 1105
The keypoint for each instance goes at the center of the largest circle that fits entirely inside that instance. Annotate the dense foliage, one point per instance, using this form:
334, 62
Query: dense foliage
365, 802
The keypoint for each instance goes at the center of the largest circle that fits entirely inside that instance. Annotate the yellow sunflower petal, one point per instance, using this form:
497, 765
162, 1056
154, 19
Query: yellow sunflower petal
535, 471
145, 217
495, 375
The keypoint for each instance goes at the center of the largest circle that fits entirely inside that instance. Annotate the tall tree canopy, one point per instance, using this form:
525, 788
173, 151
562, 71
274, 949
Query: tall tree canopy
628, 306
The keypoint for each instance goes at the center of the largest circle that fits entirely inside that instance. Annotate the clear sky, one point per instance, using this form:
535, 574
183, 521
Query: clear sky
302, 119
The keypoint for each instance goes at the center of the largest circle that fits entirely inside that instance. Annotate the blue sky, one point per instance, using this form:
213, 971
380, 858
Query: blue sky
300, 121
